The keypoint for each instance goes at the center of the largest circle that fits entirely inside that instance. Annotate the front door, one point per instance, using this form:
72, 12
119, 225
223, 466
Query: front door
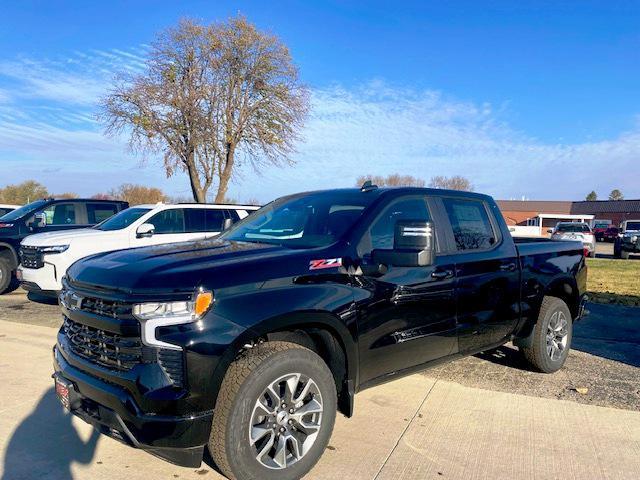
406, 314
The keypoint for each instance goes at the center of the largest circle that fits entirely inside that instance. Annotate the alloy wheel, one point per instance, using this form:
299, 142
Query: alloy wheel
557, 335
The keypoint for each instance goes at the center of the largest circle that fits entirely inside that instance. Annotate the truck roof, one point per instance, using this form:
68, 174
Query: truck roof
399, 191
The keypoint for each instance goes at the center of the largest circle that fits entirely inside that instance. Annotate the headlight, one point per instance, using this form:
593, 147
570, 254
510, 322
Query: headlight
634, 239
54, 249
161, 314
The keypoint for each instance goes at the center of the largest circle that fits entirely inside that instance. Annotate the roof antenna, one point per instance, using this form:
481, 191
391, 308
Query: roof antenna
367, 186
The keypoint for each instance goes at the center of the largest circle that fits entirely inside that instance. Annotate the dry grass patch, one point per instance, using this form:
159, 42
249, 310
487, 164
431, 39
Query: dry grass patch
614, 281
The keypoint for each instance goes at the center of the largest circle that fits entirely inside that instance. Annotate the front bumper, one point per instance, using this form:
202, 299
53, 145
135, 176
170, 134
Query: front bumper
40, 280
113, 411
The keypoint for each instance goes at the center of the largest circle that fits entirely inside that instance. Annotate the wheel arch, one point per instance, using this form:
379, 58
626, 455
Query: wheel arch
321, 332
7, 251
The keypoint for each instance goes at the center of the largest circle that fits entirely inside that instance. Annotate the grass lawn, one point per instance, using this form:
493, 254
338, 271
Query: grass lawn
614, 281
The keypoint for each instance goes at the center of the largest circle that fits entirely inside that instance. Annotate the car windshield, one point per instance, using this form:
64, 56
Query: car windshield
633, 226
22, 211
302, 221
122, 220
572, 228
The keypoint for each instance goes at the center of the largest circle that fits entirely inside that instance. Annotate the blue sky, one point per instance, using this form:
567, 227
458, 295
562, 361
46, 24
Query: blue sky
526, 99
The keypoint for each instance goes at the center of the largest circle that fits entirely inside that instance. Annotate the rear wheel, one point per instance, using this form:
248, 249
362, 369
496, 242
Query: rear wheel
275, 413
551, 336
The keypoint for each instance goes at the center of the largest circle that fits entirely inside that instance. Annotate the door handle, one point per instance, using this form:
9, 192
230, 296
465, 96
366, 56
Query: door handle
442, 274
508, 267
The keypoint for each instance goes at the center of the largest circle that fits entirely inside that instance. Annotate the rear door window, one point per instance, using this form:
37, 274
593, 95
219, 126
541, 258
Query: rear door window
98, 212
214, 220
472, 228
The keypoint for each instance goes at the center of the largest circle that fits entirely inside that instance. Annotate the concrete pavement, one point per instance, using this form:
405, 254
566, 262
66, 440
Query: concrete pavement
413, 428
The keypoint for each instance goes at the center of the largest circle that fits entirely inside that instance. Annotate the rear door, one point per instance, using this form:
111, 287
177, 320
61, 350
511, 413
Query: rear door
488, 277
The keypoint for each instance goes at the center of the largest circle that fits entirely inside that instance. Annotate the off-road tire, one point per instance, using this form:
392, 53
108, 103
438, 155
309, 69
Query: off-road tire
537, 355
244, 381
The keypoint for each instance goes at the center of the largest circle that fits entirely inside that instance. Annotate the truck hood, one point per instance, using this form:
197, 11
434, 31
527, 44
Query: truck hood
65, 237
182, 267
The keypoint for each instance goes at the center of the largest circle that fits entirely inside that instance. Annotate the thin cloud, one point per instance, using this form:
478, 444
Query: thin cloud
47, 114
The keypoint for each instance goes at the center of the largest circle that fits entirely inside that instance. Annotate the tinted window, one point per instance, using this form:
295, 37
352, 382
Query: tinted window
169, 221
122, 219
573, 227
98, 212
381, 233
633, 226
214, 220
472, 228
194, 220
30, 207
309, 220
60, 214
4, 211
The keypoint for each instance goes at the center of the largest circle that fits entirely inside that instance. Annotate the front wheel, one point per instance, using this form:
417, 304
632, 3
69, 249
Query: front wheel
551, 336
6, 276
275, 413
624, 255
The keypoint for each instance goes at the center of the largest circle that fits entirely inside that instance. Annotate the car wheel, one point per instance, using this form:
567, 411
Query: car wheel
6, 276
592, 254
275, 413
624, 255
551, 336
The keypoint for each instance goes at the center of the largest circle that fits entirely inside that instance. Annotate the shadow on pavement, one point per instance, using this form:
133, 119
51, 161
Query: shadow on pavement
46, 443
610, 331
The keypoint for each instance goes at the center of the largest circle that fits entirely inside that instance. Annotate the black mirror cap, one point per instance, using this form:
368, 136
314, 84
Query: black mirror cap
413, 245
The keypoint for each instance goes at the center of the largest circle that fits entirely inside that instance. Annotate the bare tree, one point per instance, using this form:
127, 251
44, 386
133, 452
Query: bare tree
457, 182
137, 194
394, 180
212, 97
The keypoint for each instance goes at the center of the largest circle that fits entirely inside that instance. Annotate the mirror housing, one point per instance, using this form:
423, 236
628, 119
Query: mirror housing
413, 245
145, 230
226, 225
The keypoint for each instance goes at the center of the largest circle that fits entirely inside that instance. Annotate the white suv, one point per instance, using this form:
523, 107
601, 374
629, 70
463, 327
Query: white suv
45, 257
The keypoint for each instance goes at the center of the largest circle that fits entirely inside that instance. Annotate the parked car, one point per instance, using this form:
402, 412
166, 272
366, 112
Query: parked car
45, 257
575, 231
5, 208
599, 227
628, 241
247, 344
46, 215
610, 234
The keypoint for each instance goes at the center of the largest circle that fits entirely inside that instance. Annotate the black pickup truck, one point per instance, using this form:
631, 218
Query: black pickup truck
250, 343
46, 215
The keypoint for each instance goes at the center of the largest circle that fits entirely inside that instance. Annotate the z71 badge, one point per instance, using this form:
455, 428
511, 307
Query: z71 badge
325, 263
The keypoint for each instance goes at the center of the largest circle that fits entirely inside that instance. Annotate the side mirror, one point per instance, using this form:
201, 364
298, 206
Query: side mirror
226, 225
145, 230
39, 220
413, 245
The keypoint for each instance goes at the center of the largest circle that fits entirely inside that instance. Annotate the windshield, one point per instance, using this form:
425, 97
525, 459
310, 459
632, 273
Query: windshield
122, 220
302, 221
22, 211
572, 227
633, 226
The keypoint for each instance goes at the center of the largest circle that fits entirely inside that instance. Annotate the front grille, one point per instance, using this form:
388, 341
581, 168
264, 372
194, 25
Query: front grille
105, 308
103, 348
31, 257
